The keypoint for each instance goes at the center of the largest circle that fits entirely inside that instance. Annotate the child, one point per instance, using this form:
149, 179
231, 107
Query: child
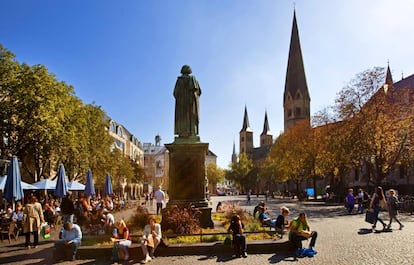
281, 223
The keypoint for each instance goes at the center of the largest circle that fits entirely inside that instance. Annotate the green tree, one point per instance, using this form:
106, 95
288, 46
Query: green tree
214, 175
242, 173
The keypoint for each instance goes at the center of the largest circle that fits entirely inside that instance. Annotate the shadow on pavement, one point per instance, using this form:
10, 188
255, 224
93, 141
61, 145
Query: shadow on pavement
39, 257
224, 257
283, 256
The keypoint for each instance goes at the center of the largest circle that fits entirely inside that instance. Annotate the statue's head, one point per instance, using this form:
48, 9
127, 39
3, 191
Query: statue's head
186, 70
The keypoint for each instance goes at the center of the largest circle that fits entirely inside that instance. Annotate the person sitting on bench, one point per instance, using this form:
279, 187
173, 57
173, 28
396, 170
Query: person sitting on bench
239, 239
281, 222
300, 230
265, 219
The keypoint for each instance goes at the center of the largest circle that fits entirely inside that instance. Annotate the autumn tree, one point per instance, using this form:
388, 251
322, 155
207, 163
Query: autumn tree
292, 156
373, 112
214, 175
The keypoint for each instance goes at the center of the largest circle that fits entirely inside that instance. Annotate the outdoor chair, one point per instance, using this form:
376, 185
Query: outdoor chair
9, 231
57, 222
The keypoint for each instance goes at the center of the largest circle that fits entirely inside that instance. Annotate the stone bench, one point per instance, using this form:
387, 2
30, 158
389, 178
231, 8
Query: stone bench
208, 249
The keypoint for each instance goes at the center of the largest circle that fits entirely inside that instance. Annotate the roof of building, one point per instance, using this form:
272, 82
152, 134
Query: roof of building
407, 82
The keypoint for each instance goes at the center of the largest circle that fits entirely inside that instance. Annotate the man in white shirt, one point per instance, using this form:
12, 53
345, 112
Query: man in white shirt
159, 198
67, 247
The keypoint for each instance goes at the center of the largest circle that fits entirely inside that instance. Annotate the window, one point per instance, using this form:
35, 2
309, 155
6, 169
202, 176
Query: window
119, 131
112, 127
297, 112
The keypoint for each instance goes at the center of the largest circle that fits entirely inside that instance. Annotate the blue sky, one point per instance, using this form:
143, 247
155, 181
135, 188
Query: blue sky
126, 55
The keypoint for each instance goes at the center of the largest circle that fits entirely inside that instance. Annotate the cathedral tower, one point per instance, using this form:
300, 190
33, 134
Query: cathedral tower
296, 99
246, 136
266, 138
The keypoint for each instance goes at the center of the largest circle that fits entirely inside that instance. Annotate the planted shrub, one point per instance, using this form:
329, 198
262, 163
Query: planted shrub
181, 220
139, 219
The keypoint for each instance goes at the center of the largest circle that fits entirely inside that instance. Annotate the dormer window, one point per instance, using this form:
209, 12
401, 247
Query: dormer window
119, 131
112, 127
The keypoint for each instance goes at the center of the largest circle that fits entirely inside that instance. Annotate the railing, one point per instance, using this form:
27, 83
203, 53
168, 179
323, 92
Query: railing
201, 234
407, 204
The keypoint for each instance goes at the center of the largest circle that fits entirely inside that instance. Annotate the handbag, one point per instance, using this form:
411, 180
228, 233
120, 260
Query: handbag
45, 231
369, 217
383, 204
163, 243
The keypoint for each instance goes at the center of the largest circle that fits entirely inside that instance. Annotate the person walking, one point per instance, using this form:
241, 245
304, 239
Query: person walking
378, 203
350, 201
159, 198
249, 195
393, 206
32, 219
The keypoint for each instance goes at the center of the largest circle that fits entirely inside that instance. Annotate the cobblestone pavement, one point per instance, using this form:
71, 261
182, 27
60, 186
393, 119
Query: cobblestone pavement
342, 239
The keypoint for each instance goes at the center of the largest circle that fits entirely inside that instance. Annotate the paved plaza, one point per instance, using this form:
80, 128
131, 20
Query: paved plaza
342, 239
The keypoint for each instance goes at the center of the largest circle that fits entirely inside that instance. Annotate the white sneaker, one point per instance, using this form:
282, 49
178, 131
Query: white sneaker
147, 259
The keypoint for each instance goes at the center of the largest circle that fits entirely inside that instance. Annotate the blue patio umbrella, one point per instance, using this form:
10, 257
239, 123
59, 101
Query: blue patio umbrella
108, 185
61, 186
45, 184
89, 187
13, 190
74, 185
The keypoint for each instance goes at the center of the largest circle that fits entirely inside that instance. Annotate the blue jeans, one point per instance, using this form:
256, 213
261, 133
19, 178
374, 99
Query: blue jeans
377, 218
239, 243
63, 251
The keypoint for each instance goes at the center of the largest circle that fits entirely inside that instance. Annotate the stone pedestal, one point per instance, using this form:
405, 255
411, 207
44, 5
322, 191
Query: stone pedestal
187, 177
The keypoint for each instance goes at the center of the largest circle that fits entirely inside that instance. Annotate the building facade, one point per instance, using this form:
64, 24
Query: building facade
130, 147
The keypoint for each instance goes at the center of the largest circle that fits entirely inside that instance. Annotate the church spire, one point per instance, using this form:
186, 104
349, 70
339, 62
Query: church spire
246, 136
296, 99
246, 125
266, 128
266, 138
388, 78
234, 155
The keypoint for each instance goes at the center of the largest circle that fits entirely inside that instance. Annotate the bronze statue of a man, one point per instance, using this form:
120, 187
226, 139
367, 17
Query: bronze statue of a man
187, 92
